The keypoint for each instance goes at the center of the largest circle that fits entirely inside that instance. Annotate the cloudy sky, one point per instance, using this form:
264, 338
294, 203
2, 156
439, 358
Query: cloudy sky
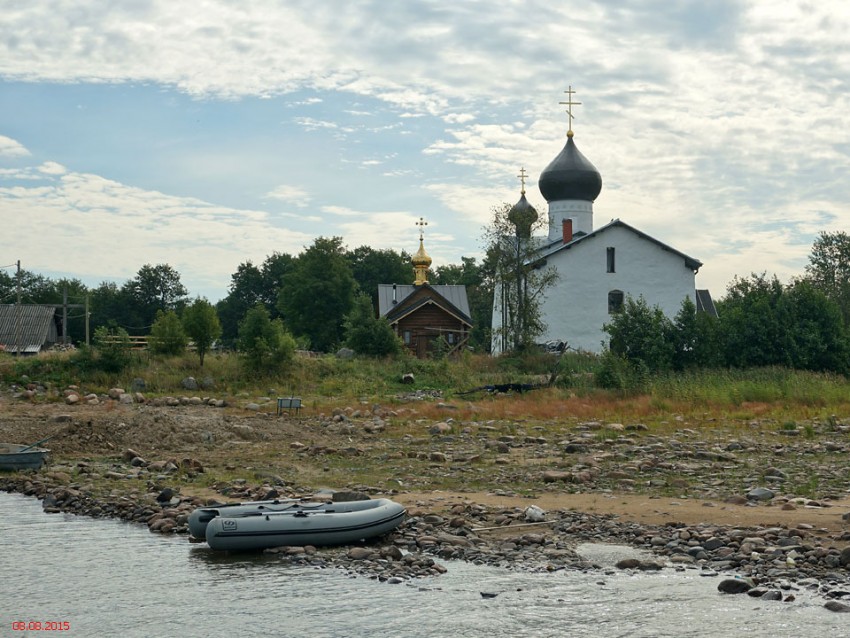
207, 133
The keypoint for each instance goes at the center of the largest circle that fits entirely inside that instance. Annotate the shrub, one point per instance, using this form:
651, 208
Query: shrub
167, 334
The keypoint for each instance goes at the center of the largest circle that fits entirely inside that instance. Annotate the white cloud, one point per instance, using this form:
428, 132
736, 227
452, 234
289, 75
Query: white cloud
52, 168
290, 194
12, 148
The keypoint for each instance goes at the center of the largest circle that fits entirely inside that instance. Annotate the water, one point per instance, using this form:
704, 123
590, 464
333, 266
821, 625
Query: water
107, 578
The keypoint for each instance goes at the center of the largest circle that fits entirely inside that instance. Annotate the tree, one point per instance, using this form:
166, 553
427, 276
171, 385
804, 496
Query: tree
695, 338
828, 269
201, 323
521, 276
641, 335
371, 267
318, 293
367, 334
154, 288
753, 332
264, 342
817, 337
167, 334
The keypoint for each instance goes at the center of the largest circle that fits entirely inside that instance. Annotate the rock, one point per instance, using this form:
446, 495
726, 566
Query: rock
189, 383
734, 586
72, 399
488, 594
253, 407
165, 495
845, 557
345, 353
137, 385
628, 563
440, 428
359, 553
553, 476
760, 494
408, 378
130, 454
115, 393
347, 496
834, 605
437, 457
534, 514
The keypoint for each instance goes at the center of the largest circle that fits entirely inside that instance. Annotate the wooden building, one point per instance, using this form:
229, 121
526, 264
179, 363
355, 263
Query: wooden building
425, 317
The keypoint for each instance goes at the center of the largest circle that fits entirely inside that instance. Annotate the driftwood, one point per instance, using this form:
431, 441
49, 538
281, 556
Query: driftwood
484, 529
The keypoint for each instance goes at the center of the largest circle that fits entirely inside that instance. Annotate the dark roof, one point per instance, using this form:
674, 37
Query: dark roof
455, 295
570, 176
690, 262
705, 303
33, 330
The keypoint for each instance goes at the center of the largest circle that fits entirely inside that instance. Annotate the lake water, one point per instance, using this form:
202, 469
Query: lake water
107, 578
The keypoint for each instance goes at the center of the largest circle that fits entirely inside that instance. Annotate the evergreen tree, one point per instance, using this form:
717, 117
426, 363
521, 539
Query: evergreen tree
367, 334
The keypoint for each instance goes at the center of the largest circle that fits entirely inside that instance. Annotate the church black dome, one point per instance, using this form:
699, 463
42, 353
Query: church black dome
570, 176
523, 215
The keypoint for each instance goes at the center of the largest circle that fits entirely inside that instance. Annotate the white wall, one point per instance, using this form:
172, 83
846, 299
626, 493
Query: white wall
576, 307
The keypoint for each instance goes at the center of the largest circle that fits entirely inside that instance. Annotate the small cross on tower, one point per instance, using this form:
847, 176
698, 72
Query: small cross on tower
522, 175
421, 223
569, 104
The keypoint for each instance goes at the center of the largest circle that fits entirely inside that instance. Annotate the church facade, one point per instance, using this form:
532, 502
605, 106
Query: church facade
597, 268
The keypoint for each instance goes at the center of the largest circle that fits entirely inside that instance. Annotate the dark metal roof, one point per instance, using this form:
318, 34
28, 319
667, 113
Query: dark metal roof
33, 330
690, 262
570, 176
705, 303
455, 295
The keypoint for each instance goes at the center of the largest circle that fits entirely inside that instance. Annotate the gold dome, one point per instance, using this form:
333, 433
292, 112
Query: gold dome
421, 260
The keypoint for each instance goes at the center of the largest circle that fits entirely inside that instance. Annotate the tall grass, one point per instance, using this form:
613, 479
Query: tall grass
327, 379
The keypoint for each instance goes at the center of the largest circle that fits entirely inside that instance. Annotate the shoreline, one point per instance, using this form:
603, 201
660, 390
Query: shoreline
114, 460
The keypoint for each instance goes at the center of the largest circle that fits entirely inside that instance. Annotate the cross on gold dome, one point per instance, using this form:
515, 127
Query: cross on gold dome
421, 223
569, 104
522, 175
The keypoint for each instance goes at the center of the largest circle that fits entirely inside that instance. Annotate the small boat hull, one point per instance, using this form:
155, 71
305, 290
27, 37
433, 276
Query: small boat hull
330, 524
12, 458
200, 518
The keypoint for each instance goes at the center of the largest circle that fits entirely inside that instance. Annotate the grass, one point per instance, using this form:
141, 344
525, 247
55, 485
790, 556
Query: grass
763, 393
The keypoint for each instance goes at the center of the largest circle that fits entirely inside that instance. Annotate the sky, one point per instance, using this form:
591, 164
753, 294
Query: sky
204, 134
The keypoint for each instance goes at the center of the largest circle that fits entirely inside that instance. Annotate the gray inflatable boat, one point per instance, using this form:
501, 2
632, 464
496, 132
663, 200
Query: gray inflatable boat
199, 519
305, 524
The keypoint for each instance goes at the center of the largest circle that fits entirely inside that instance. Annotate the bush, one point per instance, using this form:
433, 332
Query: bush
367, 334
111, 349
167, 334
265, 344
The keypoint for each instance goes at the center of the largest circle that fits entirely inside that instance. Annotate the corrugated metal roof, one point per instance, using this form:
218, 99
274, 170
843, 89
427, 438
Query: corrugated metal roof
33, 331
455, 295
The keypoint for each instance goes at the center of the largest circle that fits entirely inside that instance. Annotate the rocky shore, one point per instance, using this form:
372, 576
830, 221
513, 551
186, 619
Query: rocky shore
759, 505
770, 562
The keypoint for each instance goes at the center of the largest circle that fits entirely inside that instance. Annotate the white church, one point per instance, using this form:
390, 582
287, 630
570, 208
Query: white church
597, 268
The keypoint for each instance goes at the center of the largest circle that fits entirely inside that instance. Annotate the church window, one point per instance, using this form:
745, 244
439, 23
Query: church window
615, 301
406, 337
610, 254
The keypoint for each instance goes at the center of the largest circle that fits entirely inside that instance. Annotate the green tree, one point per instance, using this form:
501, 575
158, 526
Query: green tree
817, 337
367, 334
167, 334
201, 323
641, 335
371, 267
828, 269
521, 278
154, 288
264, 342
754, 333
318, 293
695, 338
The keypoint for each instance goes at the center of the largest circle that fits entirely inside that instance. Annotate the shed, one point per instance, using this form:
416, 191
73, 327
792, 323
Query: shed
27, 329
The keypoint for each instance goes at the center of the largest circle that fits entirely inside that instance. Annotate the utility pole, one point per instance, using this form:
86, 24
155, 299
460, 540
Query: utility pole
18, 314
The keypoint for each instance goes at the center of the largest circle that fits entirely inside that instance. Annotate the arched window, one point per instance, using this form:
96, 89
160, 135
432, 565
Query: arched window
615, 301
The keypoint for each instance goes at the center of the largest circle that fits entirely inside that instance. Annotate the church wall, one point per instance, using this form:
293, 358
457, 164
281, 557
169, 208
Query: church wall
576, 306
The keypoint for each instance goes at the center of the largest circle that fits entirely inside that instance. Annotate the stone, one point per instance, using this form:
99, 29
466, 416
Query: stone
359, 553
734, 586
408, 378
189, 383
137, 385
845, 557
834, 605
553, 476
345, 353
760, 494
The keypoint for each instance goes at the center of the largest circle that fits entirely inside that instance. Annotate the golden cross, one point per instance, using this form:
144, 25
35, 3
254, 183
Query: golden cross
421, 223
522, 175
569, 104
